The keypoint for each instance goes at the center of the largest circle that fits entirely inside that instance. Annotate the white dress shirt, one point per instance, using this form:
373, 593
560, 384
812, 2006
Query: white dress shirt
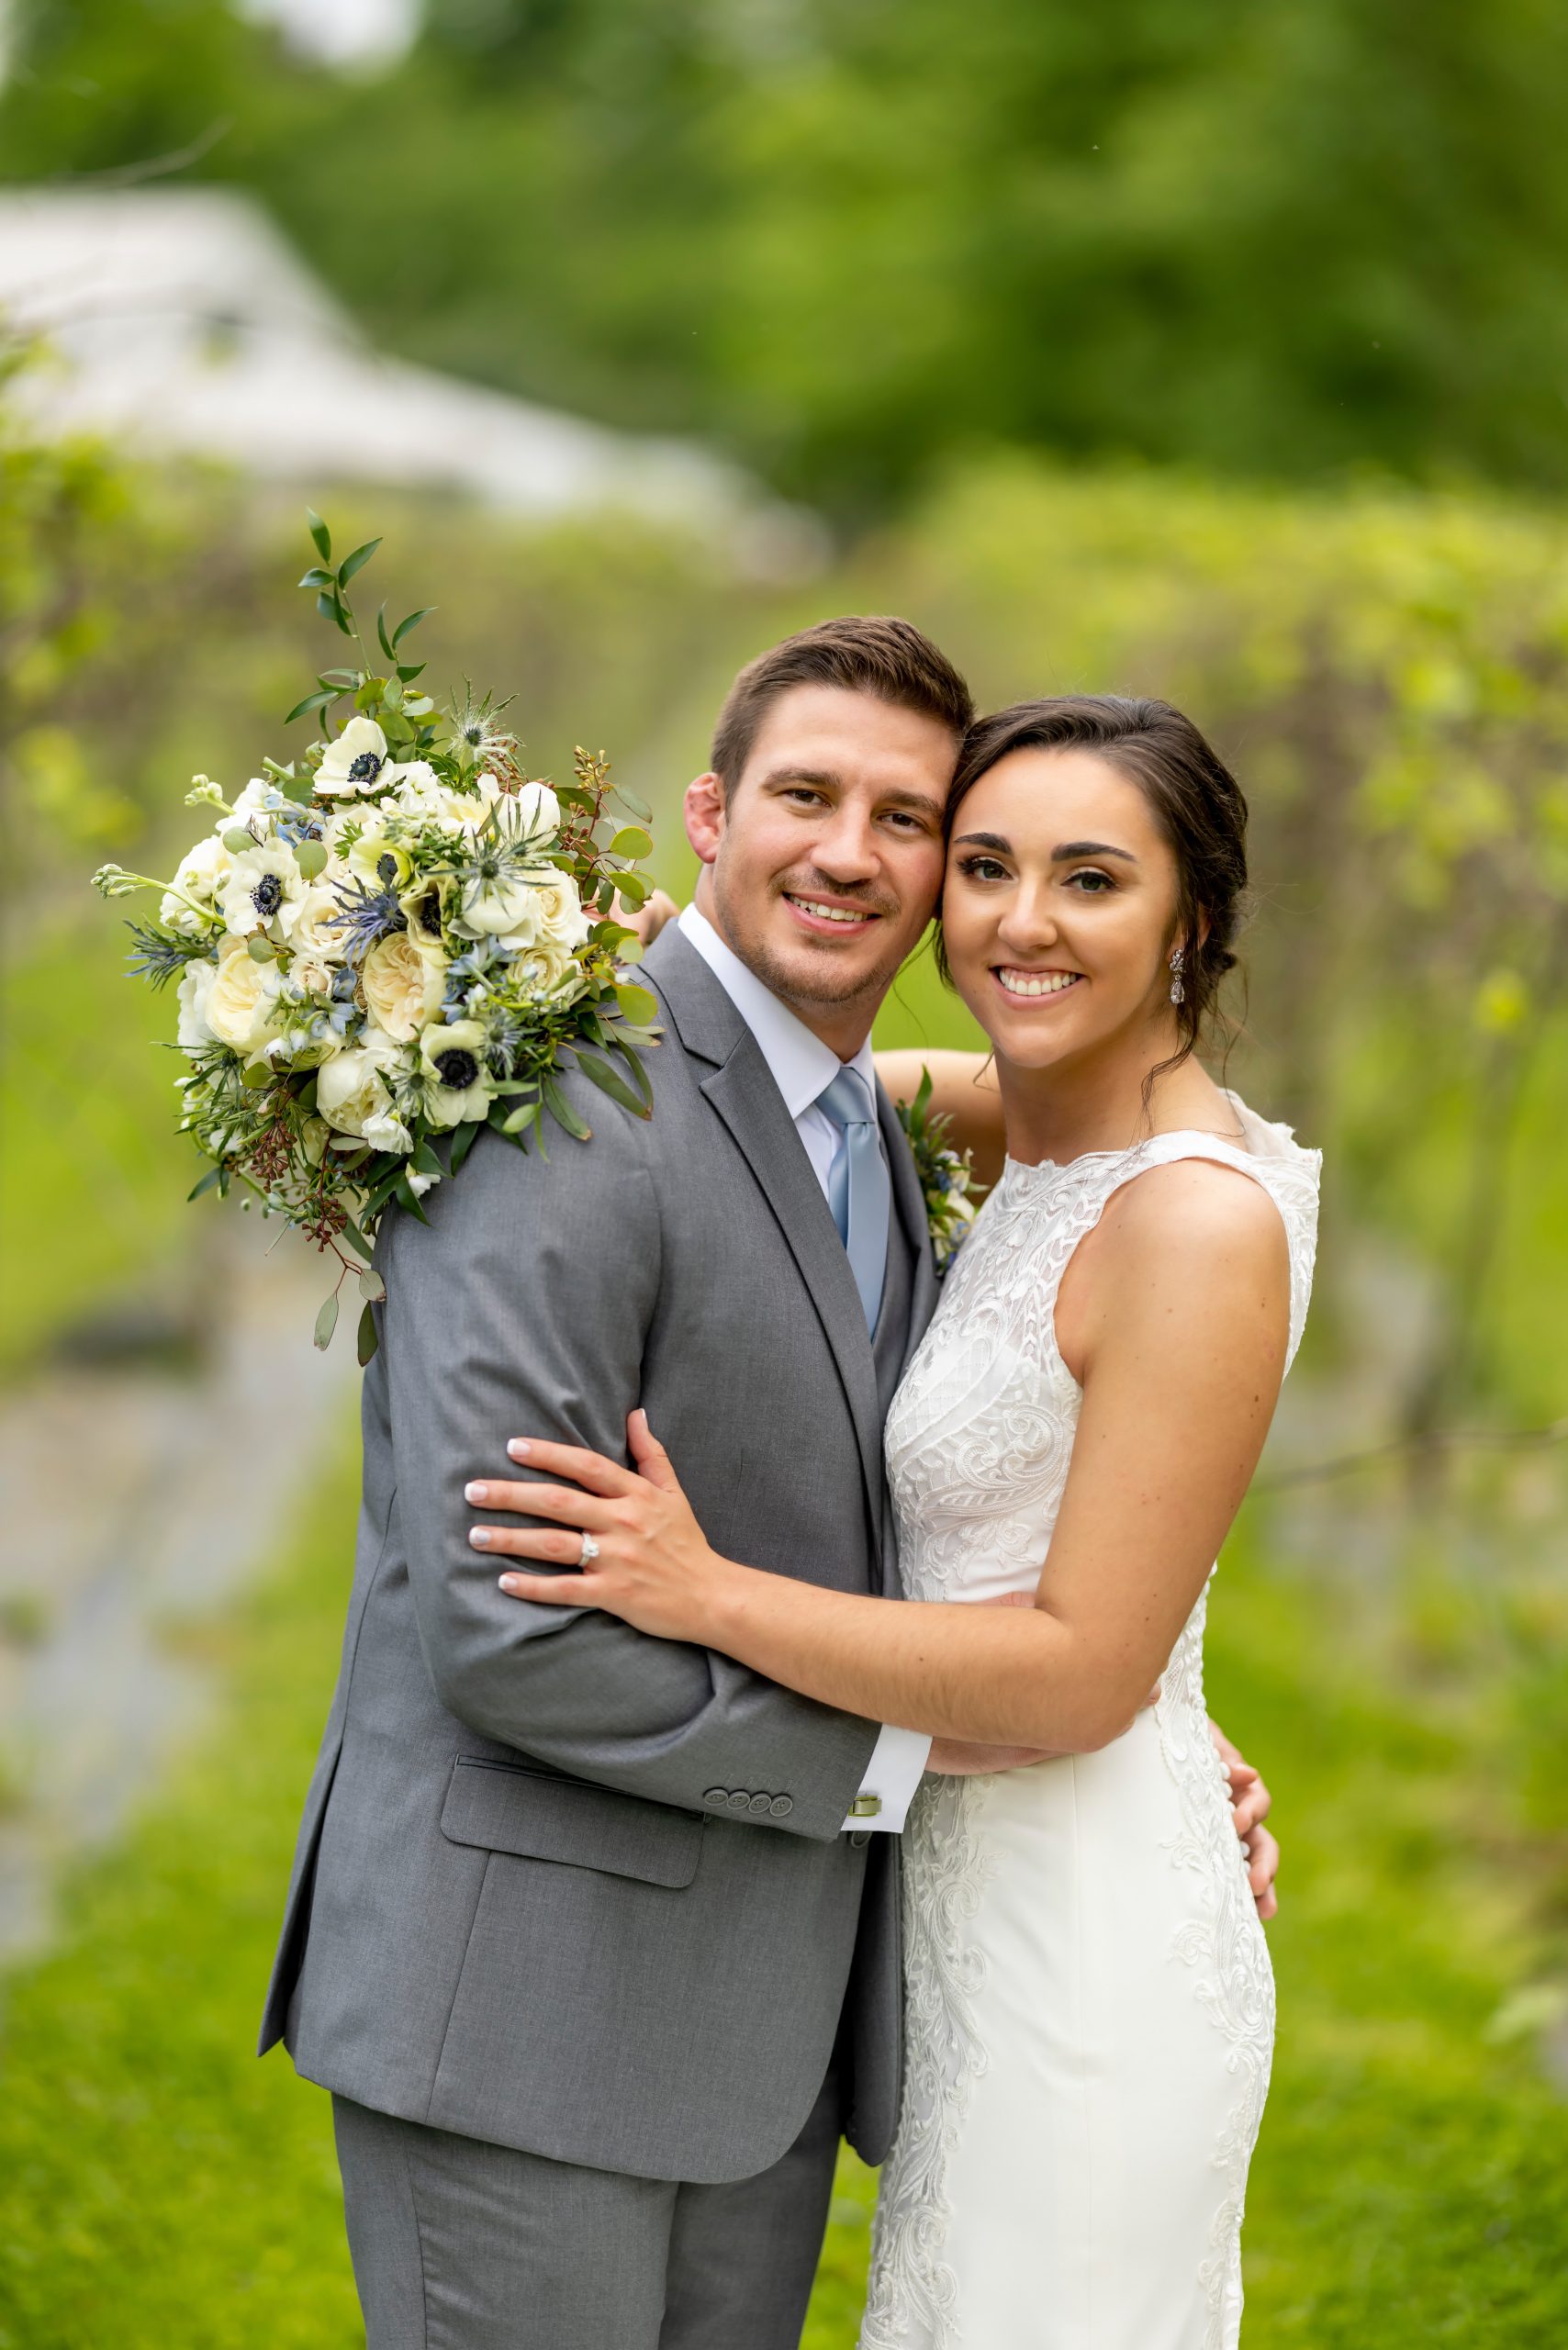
801, 1066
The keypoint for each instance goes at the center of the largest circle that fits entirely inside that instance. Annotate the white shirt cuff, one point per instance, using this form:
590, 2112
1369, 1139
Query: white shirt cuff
896, 1768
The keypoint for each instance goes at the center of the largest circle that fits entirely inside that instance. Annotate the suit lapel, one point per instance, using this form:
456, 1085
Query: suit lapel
741, 1089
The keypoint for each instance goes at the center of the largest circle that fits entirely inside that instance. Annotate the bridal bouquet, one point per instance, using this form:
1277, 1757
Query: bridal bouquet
393, 942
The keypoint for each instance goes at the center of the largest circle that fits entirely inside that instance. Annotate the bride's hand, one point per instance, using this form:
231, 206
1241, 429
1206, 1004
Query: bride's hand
653, 1566
649, 919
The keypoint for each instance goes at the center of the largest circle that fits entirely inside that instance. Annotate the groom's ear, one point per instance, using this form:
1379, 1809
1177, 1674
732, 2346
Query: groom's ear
705, 815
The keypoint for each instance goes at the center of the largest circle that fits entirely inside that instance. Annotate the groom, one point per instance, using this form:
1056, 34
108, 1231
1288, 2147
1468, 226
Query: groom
593, 1937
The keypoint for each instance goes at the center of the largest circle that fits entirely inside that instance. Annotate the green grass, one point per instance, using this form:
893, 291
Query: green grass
162, 2190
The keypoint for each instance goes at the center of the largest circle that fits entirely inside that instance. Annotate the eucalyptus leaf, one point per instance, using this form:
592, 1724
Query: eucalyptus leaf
373, 1287
311, 858
632, 842
638, 1005
369, 1338
633, 890
238, 839
260, 949
327, 1322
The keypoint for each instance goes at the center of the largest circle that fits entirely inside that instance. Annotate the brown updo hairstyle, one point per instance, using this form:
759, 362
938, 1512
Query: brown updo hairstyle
1194, 798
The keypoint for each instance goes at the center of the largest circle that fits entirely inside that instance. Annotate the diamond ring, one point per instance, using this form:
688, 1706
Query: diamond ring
589, 1550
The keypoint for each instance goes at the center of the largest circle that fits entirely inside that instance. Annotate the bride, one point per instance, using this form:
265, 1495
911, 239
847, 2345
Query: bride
1090, 2012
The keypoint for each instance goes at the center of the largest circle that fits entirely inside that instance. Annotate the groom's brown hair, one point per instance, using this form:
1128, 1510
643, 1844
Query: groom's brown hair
864, 653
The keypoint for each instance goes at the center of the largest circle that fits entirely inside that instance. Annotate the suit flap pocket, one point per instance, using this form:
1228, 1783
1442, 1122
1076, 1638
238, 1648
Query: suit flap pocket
542, 1817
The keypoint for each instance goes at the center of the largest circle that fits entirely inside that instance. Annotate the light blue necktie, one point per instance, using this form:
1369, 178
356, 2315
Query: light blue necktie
860, 1191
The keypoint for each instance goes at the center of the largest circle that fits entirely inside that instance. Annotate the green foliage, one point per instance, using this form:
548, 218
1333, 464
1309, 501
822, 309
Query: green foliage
158, 2189
842, 239
160, 2186
1387, 673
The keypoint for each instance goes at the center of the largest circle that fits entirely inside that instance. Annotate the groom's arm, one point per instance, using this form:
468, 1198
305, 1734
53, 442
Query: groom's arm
525, 1303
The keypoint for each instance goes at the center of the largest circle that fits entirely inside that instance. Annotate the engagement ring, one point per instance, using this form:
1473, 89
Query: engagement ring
589, 1550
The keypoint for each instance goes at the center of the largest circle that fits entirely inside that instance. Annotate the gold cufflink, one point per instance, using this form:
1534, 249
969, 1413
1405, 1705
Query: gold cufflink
865, 1807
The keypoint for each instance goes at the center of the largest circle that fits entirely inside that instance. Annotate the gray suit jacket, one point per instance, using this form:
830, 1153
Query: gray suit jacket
560, 1885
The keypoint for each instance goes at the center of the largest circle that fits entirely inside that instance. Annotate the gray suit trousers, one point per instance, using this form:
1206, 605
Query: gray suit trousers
459, 2245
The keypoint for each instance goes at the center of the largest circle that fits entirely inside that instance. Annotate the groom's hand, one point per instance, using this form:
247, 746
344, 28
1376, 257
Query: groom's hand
1251, 1803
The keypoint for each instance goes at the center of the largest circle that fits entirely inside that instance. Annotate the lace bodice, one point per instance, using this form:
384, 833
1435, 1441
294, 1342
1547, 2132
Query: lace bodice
980, 1433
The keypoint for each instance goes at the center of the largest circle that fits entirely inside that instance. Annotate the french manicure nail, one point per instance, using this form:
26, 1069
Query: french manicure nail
474, 1492
480, 1536
518, 1448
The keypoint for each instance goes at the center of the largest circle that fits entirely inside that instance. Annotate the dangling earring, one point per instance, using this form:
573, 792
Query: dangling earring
1177, 959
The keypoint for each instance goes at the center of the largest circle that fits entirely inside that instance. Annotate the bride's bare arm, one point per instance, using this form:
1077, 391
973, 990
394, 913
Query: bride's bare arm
963, 1089
1181, 1339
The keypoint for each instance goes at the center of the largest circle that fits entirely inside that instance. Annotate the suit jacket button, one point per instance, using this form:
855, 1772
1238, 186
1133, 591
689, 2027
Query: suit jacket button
718, 1797
781, 1807
859, 1836
739, 1800
760, 1806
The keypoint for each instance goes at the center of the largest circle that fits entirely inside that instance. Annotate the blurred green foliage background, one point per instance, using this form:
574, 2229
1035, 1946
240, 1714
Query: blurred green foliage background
1186, 348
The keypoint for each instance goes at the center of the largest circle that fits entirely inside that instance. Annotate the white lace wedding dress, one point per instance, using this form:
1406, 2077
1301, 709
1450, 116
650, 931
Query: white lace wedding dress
1090, 2009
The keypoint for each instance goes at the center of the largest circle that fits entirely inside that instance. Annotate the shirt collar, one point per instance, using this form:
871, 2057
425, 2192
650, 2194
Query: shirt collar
799, 1063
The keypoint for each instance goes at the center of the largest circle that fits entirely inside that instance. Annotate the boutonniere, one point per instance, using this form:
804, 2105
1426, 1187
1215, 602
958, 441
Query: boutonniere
946, 1178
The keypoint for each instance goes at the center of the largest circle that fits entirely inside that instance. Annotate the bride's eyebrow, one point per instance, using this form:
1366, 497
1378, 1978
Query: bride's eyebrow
1067, 850
983, 840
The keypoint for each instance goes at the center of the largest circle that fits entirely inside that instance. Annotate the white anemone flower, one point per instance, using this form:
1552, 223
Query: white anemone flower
355, 763
452, 1060
263, 883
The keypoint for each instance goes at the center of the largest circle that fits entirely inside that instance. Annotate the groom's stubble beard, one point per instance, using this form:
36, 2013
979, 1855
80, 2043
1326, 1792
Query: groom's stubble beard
815, 979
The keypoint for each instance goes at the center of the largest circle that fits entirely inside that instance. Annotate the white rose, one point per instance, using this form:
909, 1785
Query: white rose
312, 976
264, 884
549, 914
538, 813
195, 987
242, 1002
349, 1085
426, 800
388, 1134
254, 801
314, 930
202, 871
546, 969
403, 981
354, 763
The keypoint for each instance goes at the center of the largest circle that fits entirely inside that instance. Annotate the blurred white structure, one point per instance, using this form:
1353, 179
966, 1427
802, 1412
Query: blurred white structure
182, 322
354, 33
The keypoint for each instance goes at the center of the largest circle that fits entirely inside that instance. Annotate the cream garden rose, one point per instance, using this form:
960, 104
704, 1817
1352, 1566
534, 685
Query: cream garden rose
402, 982
243, 1000
351, 1087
